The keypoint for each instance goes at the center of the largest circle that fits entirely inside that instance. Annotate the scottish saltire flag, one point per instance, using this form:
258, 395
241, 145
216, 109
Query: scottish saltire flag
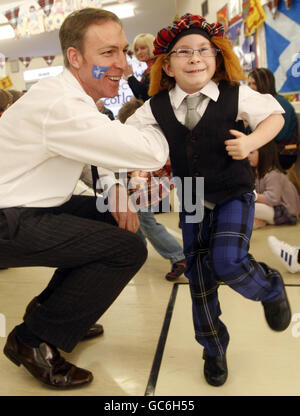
283, 46
99, 71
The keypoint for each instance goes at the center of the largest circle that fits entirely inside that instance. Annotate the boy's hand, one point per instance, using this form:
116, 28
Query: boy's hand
238, 148
138, 179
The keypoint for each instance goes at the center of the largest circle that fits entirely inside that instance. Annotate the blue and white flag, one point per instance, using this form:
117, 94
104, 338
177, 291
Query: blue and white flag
99, 71
283, 46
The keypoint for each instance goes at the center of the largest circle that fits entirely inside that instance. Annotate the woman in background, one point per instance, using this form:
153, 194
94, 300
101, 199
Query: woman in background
143, 51
263, 81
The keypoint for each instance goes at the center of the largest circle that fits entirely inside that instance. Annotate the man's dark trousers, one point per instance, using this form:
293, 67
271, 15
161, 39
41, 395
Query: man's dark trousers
94, 259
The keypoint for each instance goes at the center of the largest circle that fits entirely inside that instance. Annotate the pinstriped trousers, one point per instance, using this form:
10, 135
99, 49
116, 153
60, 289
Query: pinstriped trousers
217, 251
94, 259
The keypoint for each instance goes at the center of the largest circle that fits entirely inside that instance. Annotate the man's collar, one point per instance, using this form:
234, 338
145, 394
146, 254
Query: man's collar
210, 90
70, 79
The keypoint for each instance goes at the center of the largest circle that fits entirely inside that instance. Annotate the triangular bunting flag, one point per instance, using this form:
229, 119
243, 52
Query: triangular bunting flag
46, 5
49, 59
288, 4
12, 16
273, 6
25, 61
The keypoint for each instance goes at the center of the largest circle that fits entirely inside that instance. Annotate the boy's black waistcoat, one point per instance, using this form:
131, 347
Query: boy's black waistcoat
201, 152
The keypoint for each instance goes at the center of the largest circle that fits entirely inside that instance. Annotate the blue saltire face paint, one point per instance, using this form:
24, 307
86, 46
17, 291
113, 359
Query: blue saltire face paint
99, 71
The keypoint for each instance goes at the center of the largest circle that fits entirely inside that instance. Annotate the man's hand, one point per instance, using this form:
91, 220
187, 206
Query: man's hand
238, 148
122, 209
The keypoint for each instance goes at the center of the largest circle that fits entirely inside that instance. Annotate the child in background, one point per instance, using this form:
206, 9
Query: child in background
288, 255
6, 100
287, 140
16, 94
163, 242
194, 58
277, 200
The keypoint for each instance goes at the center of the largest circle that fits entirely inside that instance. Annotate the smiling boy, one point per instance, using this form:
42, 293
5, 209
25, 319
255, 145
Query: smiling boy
195, 60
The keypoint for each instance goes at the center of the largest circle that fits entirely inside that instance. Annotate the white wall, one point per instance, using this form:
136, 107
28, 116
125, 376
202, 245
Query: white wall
17, 78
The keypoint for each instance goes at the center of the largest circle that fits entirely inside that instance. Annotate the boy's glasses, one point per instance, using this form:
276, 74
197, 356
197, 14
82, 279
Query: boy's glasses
189, 52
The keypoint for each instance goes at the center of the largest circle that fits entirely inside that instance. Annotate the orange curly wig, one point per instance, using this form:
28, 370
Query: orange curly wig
228, 67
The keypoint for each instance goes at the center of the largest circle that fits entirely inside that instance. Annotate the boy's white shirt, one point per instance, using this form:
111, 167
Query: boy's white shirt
253, 107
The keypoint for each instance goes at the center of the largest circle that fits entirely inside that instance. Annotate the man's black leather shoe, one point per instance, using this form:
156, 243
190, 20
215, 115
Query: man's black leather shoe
215, 369
95, 330
45, 363
278, 313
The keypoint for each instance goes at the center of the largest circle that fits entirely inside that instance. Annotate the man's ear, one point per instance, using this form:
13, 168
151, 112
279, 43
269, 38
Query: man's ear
167, 68
74, 57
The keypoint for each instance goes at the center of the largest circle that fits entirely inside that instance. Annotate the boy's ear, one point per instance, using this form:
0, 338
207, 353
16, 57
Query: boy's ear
74, 57
167, 68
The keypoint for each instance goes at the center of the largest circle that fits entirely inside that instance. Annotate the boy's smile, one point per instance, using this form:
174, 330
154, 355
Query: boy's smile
193, 73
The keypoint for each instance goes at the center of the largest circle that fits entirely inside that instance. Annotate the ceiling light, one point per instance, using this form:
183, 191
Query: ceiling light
6, 31
121, 10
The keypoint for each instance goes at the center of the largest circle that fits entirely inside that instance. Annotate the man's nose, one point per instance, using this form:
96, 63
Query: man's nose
122, 62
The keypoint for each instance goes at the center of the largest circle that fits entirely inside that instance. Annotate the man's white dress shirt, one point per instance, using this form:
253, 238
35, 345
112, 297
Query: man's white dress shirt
52, 131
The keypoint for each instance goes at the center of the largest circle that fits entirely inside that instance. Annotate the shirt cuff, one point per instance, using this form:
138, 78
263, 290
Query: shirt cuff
106, 182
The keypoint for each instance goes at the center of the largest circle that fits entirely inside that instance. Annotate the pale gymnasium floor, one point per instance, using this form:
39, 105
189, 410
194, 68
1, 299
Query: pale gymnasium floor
148, 347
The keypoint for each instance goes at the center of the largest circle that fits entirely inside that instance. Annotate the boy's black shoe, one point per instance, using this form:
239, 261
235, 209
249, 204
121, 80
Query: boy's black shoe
278, 313
215, 369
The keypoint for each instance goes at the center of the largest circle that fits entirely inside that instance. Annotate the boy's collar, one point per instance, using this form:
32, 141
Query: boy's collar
211, 90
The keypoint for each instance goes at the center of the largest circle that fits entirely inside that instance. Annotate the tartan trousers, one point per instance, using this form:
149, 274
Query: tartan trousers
94, 261
216, 251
